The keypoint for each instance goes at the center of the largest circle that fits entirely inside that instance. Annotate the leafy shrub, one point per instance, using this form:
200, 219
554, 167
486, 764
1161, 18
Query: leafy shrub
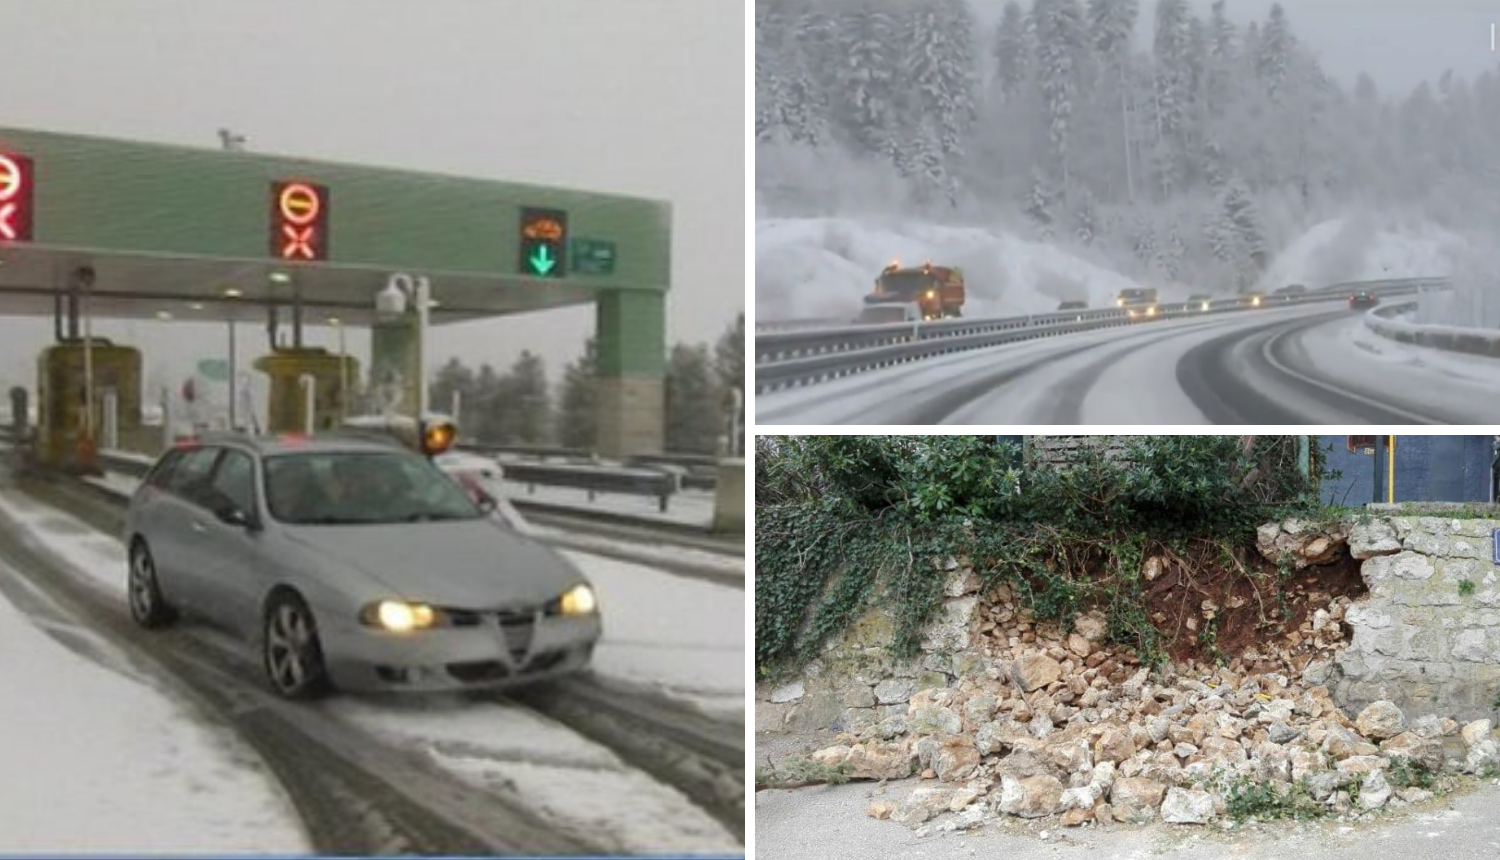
835, 515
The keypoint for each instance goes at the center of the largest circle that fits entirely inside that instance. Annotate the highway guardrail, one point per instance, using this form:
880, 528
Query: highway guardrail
794, 358
594, 479
1386, 322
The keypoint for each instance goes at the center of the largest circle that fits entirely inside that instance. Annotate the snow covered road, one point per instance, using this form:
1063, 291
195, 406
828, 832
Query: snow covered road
1312, 364
486, 762
106, 762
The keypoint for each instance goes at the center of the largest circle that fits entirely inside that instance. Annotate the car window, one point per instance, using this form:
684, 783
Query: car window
161, 473
192, 470
363, 487
234, 480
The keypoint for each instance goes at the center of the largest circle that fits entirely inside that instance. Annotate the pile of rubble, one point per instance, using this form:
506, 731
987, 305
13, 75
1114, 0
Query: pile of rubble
1056, 724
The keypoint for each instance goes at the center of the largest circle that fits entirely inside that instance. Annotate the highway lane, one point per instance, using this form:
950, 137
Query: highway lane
1312, 364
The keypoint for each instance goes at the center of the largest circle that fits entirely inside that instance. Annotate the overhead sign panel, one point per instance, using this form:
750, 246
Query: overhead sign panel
593, 257
16, 180
299, 220
544, 242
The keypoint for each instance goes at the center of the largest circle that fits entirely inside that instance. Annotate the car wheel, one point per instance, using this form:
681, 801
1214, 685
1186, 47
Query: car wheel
293, 655
147, 606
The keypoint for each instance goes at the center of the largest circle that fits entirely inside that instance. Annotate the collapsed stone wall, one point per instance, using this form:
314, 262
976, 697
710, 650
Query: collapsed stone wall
1020, 718
1428, 635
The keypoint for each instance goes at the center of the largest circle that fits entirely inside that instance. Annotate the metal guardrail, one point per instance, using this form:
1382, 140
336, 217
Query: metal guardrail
638, 482
1385, 322
802, 357
536, 452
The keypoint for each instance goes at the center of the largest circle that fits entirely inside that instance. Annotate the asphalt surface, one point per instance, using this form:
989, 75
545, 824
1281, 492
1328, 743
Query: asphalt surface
1279, 366
829, 822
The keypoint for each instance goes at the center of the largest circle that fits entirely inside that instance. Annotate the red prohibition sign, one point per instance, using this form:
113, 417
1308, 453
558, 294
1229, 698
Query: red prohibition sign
10, 178
299, 204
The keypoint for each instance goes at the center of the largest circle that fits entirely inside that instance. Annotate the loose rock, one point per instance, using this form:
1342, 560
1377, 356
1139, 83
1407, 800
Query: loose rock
1035, 671
1381, 720
1187, 806
1032, 797
1135, 799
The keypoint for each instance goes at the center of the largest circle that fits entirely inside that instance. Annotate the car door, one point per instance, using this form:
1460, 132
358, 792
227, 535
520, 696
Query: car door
228, 553
174, 519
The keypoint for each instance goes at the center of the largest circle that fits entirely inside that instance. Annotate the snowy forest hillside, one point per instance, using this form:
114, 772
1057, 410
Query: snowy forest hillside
1194, 155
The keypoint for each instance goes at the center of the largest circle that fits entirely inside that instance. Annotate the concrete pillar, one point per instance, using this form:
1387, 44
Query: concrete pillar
729, 497
631, 336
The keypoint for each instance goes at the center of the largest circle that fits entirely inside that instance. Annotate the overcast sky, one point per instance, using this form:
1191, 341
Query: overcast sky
1398, 42
632, 96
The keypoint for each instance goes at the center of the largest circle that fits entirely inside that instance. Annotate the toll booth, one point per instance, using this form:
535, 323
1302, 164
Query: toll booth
328, 372
63, 437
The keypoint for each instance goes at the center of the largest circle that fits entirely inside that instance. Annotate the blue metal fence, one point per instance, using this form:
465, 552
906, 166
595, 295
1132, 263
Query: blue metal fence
1427, 469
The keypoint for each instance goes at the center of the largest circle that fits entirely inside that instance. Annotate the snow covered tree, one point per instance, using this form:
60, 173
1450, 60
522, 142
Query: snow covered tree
867, 77
1143, 239
1110, 25
1060, 45
1085, 217
1274, 52
1172, 97
1236, 235
1041, 202
938, 70
1012, 52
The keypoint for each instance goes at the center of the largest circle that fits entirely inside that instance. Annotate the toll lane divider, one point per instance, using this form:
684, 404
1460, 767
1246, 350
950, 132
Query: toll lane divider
793, 358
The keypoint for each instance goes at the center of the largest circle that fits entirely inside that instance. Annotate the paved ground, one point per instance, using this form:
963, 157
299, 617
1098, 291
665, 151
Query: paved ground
829, 823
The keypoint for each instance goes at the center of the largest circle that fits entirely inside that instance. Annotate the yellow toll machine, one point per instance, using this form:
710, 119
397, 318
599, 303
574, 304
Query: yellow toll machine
329, 372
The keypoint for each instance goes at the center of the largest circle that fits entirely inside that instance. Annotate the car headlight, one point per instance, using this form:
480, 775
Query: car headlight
579, 600
399, 616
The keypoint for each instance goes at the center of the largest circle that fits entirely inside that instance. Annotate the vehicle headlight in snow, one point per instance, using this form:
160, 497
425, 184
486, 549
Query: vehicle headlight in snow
1205, 305
398, 616
579, 600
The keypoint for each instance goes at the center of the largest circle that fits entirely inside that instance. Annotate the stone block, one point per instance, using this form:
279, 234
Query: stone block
771, 717
950, 631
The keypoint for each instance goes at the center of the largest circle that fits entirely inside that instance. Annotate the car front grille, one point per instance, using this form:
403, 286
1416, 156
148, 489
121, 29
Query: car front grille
520, 629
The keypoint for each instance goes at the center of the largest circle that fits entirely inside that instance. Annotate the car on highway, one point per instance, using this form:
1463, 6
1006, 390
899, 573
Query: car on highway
351, 563
1362, 300
1254, 299
1199, 301
1291, 290
1073, 305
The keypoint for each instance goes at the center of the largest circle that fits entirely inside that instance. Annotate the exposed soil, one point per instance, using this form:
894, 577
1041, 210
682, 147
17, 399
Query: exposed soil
1239, 615
1252, 614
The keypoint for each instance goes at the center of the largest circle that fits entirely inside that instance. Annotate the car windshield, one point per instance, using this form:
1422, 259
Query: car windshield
361, 487
906, 283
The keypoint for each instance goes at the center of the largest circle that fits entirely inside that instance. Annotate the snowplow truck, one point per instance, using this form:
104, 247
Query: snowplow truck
938, 291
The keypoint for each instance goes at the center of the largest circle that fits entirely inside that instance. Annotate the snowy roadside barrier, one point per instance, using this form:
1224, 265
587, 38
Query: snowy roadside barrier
806, 356
1388, 322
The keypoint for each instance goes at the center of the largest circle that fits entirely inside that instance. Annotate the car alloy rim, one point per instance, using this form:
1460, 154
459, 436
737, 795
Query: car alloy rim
141, 597
287, 637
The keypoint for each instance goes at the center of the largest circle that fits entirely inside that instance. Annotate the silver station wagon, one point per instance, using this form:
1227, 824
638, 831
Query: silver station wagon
353, 564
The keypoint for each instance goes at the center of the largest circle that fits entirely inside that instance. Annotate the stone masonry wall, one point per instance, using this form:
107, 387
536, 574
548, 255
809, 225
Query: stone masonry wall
1418, 639
856, 683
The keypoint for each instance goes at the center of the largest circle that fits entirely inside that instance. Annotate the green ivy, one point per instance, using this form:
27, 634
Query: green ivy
837, 516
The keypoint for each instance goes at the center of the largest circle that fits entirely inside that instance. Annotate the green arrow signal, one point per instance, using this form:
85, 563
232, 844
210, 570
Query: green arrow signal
541, 260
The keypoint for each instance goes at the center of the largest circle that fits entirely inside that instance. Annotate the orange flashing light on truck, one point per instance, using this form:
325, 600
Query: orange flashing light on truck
937, 290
